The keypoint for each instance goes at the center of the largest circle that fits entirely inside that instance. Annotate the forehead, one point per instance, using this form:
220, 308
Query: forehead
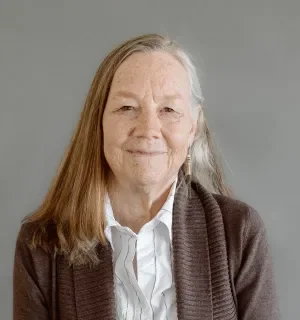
158, 71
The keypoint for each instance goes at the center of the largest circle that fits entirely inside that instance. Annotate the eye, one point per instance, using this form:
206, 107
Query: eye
168, 109
126, 108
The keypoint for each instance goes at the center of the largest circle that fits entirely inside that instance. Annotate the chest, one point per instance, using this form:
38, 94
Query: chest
200, 273
143, 274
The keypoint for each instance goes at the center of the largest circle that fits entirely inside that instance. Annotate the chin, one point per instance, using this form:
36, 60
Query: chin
145, 177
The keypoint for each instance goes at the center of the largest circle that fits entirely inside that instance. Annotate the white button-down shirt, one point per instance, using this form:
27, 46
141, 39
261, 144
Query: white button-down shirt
152, 296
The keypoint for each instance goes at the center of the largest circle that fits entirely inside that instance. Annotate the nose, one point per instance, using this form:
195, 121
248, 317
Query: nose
147, 125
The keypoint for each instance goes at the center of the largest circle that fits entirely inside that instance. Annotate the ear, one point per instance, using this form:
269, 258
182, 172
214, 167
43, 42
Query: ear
192, 132
193, 129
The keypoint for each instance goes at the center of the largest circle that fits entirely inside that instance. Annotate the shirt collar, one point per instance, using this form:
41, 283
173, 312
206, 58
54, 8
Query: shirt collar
164, 215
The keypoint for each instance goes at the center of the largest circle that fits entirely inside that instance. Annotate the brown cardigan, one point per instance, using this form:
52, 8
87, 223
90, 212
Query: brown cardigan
222, 269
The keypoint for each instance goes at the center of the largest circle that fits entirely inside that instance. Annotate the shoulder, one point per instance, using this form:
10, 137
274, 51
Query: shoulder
243, 226
33, 244
238, 216
245, 231
33, 272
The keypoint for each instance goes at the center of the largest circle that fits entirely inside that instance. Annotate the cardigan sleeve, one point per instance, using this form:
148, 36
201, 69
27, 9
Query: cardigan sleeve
30, 295
255, 283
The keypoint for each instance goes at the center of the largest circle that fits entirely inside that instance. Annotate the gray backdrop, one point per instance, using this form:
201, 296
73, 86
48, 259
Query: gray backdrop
249, 54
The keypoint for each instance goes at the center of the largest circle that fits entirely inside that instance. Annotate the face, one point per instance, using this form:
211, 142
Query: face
147, 124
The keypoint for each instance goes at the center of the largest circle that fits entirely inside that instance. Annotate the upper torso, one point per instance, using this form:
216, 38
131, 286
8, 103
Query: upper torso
222, 269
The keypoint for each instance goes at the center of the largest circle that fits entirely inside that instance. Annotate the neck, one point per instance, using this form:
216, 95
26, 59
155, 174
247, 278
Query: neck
133, 205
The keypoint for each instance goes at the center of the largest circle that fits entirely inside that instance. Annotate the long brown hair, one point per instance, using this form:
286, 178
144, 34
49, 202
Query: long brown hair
74, 204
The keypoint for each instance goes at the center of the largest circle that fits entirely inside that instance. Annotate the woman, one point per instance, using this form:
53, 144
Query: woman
139, 223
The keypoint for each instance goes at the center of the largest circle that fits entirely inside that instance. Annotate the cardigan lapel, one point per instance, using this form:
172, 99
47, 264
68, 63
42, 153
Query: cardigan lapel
191, 256
222, 294
201, 266
94, 288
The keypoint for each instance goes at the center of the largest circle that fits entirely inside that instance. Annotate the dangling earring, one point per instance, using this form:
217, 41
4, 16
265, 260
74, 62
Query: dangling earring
188, 172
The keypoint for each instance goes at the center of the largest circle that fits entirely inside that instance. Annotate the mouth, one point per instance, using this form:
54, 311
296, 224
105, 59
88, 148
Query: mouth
145, 153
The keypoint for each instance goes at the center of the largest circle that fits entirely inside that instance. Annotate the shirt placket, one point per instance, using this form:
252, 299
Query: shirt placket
141, 307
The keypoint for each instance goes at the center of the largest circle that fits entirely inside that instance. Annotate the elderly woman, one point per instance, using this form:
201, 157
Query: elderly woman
139, 223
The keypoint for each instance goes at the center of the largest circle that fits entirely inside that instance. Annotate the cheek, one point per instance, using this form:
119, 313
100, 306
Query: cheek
177, 143
177, 138
114, 134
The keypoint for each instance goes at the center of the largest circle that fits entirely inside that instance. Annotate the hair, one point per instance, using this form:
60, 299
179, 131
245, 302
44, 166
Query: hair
74, 204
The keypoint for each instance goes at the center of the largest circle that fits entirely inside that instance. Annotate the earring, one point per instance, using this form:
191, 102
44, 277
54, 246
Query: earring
188, 171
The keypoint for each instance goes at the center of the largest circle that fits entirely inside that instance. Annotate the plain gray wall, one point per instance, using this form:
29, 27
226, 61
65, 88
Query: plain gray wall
249, 54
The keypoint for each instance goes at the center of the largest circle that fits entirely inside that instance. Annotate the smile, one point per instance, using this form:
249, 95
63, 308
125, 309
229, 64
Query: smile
144, 153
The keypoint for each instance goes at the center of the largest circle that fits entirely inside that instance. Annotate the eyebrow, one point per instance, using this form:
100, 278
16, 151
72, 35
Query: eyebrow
129, 94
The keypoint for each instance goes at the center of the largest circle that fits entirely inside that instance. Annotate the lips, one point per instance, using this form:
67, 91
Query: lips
146, 153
